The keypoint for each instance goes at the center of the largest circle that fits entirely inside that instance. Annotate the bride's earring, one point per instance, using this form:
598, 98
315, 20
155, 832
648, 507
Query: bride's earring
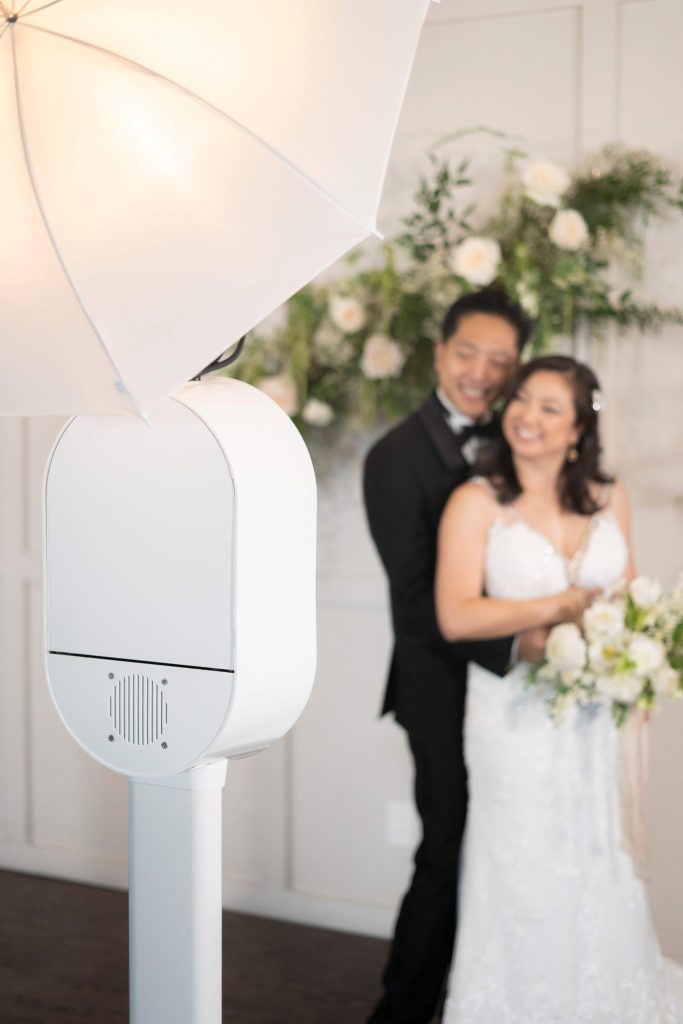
572, 454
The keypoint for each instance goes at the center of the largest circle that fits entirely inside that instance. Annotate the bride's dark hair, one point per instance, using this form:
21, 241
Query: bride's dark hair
577, 480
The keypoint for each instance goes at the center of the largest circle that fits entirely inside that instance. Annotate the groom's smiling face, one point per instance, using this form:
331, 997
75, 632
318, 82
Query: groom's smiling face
474, 363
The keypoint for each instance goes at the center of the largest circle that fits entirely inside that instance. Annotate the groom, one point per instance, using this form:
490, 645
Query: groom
408, 476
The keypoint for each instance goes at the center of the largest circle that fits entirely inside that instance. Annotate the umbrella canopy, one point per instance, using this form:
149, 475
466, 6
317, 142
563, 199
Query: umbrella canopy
172, 172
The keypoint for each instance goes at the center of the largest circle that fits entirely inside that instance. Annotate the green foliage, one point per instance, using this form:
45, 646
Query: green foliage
376, 364
620, 712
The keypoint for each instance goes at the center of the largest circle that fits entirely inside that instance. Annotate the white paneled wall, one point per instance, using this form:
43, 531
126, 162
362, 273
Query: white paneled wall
305, 824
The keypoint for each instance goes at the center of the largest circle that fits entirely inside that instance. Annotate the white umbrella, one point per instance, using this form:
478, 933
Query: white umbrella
172, 172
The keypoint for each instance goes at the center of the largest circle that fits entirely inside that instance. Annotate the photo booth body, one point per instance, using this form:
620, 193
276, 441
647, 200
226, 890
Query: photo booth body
180, 629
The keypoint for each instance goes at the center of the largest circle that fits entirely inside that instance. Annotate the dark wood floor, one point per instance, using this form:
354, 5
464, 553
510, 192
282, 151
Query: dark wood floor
64, 960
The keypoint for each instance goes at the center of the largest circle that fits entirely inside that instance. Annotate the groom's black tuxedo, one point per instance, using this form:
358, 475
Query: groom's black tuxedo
409, 475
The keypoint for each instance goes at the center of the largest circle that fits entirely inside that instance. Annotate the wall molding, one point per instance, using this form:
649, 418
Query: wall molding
489, 10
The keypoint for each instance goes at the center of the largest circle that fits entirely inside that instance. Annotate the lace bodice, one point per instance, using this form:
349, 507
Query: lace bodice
522, 563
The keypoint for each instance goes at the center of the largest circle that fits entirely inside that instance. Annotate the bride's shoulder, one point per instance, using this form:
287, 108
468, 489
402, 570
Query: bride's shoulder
482, 485
476, 497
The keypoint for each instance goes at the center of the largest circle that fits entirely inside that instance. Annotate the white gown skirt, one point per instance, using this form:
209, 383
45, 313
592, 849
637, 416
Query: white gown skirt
553, 926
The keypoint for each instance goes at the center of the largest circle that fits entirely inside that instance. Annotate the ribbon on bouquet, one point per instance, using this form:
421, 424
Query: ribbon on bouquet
632, 776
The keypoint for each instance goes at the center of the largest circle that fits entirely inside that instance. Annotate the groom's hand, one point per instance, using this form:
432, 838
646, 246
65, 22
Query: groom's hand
531, 648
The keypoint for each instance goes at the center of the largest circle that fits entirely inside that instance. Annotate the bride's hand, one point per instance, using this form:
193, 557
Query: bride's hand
531, 648
572, 603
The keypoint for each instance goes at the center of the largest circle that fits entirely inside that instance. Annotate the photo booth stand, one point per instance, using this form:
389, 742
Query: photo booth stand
180, 631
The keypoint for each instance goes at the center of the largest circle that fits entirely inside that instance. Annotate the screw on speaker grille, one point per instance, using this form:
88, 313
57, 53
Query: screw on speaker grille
138, 709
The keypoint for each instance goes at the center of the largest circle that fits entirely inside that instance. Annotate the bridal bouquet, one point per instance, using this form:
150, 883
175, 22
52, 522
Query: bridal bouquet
629, 653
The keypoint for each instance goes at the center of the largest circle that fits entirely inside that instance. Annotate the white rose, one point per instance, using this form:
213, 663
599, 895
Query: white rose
317, 413
476, 259
625, 688
665, 681
347, 313
331, 348
381, 358
565, 648
602, 655
568, 230
645, 592
647, 654
545, 182
282, 390
603, 618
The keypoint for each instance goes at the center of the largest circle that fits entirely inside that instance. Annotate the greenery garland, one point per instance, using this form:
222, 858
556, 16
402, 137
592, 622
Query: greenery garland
360, 349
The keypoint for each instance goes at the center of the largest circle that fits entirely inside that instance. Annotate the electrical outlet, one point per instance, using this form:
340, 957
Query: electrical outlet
402, 825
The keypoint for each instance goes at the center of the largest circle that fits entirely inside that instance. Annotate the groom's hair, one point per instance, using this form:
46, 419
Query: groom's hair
493, 302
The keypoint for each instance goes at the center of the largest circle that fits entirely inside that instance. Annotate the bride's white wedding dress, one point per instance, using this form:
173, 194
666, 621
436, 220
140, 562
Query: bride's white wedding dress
553, 925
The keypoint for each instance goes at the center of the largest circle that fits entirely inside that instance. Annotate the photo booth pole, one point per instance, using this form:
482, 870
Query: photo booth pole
180, 597
171, 174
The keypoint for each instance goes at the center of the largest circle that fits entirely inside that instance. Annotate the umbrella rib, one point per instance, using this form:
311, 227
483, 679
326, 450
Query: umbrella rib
258, 139
37, 10
48, 227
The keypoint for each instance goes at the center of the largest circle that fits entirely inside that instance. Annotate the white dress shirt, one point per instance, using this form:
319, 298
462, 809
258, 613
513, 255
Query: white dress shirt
456, 420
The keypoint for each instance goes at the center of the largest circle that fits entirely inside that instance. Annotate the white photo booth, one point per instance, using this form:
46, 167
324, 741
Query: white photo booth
180, 630
180, 579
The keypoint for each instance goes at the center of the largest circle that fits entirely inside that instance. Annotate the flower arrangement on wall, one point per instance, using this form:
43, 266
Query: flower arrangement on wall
359, 349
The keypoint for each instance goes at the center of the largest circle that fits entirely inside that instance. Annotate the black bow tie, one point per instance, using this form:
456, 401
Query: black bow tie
489, 429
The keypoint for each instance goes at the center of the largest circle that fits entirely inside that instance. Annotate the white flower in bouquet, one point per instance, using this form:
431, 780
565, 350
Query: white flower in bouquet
565, 648
624, 687
603, 654
347, 313
647, 654
477, 259
563, 703
666, 681
676, 598
381, 358
317, 413
645, 592
282, 390
545, 182
568, 230
604, 619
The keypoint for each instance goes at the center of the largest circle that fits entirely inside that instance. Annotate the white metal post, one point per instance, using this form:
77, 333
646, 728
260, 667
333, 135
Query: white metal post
175, 899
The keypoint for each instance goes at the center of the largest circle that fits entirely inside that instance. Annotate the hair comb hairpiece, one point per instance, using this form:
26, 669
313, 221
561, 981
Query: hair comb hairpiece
597, 400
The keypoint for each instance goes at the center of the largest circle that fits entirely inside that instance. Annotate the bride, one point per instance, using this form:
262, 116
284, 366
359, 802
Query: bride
553, 923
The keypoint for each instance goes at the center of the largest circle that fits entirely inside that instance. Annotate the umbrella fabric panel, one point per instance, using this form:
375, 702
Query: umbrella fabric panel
170, 221
191, 168
321, 82
50, 359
